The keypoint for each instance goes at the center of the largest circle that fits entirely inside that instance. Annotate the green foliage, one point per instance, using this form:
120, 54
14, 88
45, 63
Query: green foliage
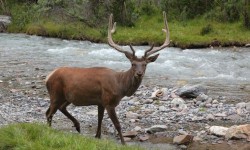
40, 137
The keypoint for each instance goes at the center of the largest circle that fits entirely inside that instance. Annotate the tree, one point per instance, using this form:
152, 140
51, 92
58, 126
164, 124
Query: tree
246, 18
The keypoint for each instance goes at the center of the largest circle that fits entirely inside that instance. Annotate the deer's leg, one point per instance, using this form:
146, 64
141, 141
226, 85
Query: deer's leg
66, 113
50, 112
100, 117
113, 117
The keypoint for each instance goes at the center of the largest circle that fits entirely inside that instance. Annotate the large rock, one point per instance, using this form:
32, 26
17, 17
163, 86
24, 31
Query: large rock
238, 132
183, 139
4, 22
191, 91
218, 130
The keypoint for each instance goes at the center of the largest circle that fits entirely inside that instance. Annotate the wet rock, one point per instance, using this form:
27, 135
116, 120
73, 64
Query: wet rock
191, 91
238, 132
247, 45
130, 134
218, 130
156, 128
183, 139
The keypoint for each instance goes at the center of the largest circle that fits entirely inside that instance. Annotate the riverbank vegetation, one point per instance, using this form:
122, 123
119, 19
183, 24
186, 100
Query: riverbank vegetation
196, 23
41, 137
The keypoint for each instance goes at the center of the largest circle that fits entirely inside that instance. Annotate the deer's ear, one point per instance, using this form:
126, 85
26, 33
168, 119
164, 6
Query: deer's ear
152, 58
129, 56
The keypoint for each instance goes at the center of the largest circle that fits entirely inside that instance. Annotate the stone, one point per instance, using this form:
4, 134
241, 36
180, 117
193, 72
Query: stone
130, 134
156, 128
241, 105
223, 114
210, 117
238, 132
218, 130
127, 139
202, 97
215, 102
178, 103
4, 22
183, 139
247, 45
159, 93
143, 137
132, 115
248, 106
162, 108
189, 91
137, 128
148, 101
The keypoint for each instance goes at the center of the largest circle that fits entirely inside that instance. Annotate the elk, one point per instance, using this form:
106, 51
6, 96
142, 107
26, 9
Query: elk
99, 86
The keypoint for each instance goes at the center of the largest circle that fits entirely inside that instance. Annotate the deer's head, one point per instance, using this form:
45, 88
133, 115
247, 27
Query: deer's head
138, 64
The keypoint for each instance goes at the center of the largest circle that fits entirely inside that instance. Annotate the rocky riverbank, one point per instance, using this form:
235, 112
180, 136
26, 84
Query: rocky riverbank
155, 114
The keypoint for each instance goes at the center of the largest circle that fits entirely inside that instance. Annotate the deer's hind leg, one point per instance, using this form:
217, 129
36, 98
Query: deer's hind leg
66, 113
50, 112
100, 117
55, 104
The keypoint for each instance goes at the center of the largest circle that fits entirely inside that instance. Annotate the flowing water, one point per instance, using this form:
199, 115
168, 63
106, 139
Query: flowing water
224, 71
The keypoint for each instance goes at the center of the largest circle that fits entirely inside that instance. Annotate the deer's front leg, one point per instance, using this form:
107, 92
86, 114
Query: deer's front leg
100, 117
113, 117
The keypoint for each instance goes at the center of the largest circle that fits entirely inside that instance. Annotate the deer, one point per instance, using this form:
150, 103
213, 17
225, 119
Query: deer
99, 86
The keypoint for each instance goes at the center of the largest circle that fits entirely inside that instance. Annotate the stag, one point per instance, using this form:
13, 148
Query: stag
99, 86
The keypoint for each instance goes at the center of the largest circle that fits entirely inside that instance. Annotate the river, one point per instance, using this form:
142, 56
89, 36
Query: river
224, 71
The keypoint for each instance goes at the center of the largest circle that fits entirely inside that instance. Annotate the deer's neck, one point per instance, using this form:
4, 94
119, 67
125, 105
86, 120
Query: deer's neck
129, 83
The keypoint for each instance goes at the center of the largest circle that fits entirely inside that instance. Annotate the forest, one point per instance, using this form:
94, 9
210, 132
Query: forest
67, 19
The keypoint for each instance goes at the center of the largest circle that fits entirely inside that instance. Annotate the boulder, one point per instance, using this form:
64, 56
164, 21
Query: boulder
238, 132
191, 91
218, 130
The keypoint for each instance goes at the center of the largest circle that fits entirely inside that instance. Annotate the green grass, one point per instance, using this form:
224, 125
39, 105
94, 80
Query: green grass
147, 30
27, 136
183, 34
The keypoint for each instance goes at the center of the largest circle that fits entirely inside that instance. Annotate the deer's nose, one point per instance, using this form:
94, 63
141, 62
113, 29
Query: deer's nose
139, 73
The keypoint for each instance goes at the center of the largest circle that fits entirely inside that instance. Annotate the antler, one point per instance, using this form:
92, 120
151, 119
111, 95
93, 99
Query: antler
153, 49
111, 30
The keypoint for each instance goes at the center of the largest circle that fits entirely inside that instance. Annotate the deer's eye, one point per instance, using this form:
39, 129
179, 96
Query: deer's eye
133, 65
